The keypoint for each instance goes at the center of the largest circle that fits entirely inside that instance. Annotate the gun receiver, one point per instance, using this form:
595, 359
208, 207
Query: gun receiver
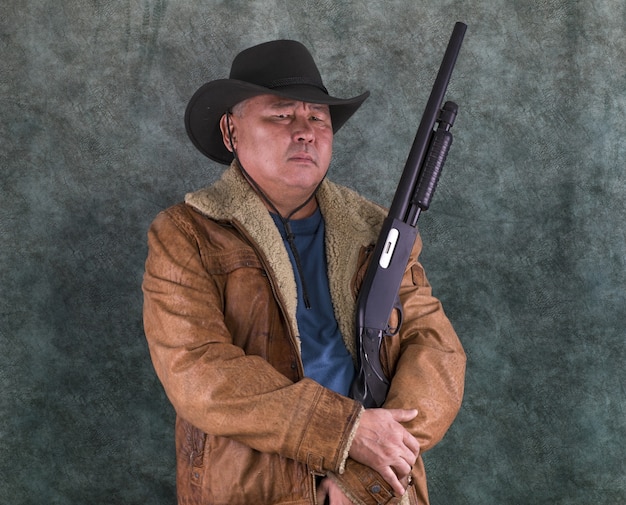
378, 296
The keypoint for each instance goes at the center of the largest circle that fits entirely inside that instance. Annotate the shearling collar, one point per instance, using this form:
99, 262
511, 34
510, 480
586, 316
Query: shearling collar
351, 222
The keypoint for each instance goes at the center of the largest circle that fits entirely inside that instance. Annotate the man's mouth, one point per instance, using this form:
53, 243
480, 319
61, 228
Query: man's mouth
302, 157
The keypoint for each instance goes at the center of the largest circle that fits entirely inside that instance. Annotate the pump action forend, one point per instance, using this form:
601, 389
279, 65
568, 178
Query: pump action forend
378, 296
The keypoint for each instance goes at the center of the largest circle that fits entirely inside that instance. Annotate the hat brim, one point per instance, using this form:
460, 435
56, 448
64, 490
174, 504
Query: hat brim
215, 98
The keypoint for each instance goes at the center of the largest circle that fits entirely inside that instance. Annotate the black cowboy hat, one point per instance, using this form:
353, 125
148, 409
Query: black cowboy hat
281, 67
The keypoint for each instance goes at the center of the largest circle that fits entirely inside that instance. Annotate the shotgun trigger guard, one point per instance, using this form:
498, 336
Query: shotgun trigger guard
389, 331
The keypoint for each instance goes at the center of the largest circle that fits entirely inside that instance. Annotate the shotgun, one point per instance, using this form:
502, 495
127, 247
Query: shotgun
378, 295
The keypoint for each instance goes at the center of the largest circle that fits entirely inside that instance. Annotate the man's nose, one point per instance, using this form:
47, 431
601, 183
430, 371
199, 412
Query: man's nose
303, 130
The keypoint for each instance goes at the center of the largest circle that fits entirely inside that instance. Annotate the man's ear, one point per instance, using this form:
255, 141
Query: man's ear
226, 138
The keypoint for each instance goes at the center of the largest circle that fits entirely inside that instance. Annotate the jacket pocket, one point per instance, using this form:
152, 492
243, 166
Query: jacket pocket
197, 458
190, 467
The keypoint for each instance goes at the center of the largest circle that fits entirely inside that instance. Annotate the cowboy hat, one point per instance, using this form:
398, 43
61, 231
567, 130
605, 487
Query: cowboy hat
281, 67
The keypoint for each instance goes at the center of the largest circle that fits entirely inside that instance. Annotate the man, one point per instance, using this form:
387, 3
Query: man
249, 302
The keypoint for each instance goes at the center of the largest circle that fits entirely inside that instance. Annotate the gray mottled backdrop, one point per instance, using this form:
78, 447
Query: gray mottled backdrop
525, 242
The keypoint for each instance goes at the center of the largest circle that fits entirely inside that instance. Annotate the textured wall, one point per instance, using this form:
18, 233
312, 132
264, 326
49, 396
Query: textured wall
525, 241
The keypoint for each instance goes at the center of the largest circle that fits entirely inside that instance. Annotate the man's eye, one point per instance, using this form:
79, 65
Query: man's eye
319, 118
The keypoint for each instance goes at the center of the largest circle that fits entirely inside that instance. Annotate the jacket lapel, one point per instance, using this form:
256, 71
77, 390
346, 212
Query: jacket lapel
351, 221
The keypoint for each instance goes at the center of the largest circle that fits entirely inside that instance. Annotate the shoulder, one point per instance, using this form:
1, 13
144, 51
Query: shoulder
185, 221
179, 216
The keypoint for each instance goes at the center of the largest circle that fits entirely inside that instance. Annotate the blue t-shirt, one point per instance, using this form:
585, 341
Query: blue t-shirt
324, 355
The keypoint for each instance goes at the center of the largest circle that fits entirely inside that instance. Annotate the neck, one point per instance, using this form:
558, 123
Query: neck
297, 209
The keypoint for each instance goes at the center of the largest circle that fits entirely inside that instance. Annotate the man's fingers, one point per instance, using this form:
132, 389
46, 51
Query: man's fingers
412, 444
383, 444
402, 469
322, 491
329, 493
392, 479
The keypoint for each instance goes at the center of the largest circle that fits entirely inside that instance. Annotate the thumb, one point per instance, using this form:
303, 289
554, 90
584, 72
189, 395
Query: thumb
403, 415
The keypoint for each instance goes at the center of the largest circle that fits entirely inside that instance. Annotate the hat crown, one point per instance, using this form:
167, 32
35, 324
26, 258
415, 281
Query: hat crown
276, 64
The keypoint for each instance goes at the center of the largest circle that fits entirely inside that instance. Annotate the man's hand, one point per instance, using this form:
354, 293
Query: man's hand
329, 493
384, 445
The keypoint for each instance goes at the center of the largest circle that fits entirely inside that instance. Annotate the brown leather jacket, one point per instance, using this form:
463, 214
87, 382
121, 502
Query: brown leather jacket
219, 317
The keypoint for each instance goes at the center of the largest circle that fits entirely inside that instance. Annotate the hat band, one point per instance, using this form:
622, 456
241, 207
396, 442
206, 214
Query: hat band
292, 81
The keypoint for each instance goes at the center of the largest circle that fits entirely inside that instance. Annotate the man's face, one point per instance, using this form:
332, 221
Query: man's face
284, 145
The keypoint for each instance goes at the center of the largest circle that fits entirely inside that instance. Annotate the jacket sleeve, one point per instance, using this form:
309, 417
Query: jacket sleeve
426, 364
211, 382
429, 370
